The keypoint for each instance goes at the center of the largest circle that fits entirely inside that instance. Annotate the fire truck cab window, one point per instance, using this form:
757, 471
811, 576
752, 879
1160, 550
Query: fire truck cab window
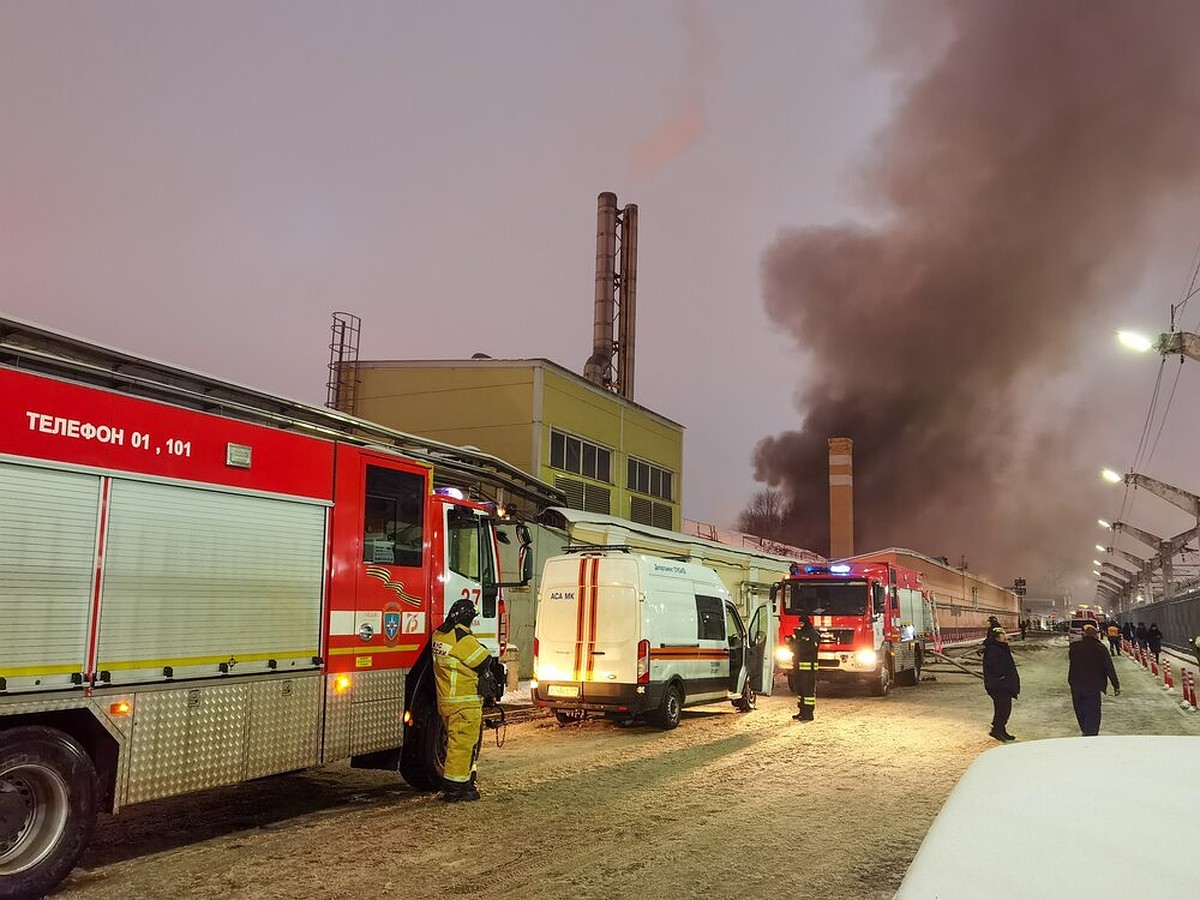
878, 599
393, 527
710, 619
463, 551
842, 598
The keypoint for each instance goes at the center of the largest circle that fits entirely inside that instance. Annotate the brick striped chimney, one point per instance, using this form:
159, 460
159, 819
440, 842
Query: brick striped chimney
841, 497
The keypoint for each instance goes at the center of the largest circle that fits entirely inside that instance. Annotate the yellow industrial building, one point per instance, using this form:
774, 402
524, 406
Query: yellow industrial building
607, 454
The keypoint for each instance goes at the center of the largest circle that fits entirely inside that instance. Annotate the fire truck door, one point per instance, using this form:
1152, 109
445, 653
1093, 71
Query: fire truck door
470, 571
390, 596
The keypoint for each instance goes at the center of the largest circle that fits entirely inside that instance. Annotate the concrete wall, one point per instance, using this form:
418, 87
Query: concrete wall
486, 407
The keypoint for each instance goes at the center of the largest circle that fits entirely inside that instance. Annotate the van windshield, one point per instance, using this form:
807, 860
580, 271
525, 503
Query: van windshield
840, 598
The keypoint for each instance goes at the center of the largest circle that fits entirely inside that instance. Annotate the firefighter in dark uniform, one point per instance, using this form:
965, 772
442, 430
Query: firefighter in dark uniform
803, 643
459, 664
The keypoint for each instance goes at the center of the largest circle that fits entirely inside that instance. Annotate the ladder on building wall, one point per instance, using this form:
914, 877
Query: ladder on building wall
930, 623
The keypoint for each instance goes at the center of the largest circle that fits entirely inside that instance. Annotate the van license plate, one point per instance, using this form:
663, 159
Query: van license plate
563, 690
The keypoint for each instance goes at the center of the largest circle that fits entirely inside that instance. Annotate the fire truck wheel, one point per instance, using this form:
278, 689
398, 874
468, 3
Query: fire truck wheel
672, 707
748, 700
881, 683
423, 758
912, 677
48, 797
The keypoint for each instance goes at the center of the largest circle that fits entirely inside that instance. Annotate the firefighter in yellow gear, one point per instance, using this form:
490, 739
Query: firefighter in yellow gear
458, 662
803, 642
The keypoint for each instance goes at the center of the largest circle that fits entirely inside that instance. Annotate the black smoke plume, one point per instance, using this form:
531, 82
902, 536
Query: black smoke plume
1032, 142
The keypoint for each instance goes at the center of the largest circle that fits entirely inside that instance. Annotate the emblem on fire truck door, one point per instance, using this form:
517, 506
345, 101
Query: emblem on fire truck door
391, 623
395, 587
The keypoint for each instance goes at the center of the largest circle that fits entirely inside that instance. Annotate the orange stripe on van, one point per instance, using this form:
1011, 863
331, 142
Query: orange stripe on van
580, 602
687, 653
594, 602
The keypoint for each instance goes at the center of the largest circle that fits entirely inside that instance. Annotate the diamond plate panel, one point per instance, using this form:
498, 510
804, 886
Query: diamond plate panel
376, 726
285, 723
336, 742
188, 739
372, 686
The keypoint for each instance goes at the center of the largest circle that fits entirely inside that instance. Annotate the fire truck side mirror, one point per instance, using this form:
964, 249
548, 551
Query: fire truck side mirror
526, 565
524, 559
774, 591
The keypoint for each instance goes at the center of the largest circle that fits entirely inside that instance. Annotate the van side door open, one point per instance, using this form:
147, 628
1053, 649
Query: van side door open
737, 647
758, 648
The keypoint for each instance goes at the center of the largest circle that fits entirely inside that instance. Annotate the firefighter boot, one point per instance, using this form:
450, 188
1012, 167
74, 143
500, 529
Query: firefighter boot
456, 792
472, 792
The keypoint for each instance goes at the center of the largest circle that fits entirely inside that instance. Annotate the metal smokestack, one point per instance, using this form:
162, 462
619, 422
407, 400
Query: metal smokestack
611, 364
599, 367
627, 306
841, 497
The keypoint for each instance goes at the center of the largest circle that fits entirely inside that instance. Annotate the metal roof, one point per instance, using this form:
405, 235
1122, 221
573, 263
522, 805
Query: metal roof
34, 348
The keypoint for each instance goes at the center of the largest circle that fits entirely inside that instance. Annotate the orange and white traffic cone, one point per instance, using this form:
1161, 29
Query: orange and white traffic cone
1153, 666
1189, 697
1168, 681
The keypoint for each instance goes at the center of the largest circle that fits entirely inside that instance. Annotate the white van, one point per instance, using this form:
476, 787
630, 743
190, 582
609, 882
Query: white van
629, 635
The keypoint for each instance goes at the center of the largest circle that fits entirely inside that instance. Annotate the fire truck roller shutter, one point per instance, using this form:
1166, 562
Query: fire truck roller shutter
196, 577
47, 562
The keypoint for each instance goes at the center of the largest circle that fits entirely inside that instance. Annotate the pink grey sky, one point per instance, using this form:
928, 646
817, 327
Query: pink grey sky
206, 183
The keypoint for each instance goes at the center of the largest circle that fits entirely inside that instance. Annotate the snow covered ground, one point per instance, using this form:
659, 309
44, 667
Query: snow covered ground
726, 805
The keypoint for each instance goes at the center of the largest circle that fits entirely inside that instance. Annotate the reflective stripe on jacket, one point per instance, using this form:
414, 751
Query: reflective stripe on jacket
456, 655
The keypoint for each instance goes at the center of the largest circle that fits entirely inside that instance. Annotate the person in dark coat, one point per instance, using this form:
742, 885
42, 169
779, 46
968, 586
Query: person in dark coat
1154, 640
1127, 630
1089, 671
803, 641
1140, 634
1001, 680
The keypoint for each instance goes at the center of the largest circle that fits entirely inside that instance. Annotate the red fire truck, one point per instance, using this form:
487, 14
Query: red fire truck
196, 598
869, 615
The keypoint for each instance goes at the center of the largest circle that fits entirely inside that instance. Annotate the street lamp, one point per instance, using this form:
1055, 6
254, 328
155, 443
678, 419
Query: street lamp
1135, 341
1103, 524
1101, 548
1111, 476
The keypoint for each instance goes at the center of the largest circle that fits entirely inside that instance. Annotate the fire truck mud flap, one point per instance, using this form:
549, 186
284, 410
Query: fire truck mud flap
48, 794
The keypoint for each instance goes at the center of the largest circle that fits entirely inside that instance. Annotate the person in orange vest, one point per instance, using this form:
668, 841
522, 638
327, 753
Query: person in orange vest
1114, 639
460, 662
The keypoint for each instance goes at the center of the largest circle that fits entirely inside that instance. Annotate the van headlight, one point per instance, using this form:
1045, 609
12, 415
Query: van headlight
866, 658
784, 656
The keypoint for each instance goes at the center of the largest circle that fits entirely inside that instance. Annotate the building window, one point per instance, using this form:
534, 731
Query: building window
585, 496
580, 457
646, 478
648, 512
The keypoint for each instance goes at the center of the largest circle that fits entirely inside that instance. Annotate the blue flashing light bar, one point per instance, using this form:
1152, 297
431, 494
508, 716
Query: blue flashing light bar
840, 569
